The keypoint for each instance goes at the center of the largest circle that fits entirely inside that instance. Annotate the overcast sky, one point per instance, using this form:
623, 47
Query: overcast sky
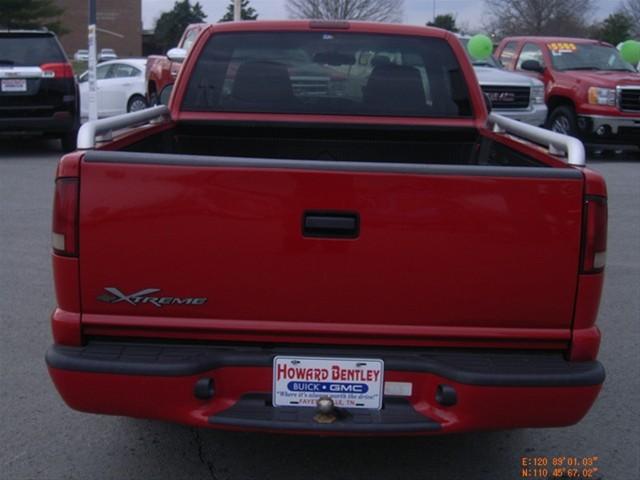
417, 12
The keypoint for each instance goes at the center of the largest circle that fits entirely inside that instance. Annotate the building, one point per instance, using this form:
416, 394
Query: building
119, 26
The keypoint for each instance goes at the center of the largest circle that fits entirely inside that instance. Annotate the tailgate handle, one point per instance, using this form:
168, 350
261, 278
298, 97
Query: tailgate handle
330, 225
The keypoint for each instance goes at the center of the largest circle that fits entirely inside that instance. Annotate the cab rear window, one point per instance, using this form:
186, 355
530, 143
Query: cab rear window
28, 51
328, 73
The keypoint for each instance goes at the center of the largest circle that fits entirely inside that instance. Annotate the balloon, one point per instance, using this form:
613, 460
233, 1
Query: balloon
630, 51
480, 47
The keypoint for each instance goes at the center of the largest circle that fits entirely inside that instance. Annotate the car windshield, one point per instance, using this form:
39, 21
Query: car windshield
328, 73
586, 56
490, 61
24, 50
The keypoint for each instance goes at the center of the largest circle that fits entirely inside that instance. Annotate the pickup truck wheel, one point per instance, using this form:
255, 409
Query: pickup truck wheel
137, 103
563, 120
68, 141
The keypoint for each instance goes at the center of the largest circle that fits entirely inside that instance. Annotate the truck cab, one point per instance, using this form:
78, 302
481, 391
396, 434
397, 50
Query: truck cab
591, 92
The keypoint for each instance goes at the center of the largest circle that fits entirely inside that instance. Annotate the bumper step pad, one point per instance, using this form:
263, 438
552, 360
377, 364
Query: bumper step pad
254, 410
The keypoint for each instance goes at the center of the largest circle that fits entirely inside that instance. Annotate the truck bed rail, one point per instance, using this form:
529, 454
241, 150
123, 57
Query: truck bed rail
91, 130
558, 144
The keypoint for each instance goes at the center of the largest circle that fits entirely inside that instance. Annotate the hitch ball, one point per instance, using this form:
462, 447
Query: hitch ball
325, 405
326, 410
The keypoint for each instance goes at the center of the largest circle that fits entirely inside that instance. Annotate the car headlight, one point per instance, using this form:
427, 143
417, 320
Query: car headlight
537, 95
602, 96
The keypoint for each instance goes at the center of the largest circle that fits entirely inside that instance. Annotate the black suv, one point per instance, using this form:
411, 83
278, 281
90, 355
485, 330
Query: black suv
38, 91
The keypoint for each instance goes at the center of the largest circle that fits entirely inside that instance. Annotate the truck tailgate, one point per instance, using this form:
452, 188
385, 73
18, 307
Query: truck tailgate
203, 241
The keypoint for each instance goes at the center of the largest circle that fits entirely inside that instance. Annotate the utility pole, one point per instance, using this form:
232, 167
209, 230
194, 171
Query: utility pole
237, 10
93, 53
434, 11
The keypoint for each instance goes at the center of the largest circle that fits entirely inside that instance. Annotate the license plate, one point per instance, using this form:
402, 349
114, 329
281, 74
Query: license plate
350, 383
14, 85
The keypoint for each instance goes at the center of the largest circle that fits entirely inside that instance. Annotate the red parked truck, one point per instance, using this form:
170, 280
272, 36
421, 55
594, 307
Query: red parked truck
591, 92
380, 257
162, 70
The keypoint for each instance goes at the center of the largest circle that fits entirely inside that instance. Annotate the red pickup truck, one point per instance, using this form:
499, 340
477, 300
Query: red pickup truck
378, 256
162, 70
591, 92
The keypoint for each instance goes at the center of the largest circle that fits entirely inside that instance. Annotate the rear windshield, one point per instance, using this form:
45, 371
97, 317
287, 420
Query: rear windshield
24, 50
328, 73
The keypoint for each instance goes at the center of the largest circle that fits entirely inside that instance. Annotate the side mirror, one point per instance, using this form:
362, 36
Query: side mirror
488, 102
177, 55
532, 66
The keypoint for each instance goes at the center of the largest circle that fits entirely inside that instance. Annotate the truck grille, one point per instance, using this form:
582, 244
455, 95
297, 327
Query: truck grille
508, 97
630, 134
630, 99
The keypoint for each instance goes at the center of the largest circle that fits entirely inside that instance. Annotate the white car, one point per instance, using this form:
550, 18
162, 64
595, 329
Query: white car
121, 87
81, 56
107, 54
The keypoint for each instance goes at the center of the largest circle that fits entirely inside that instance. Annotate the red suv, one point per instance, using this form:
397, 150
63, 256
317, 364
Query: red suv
591, 92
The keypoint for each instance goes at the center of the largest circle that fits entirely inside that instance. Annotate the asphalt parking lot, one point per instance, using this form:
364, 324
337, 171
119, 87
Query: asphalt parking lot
43, 439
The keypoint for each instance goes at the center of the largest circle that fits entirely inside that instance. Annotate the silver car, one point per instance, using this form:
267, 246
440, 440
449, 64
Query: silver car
513, 95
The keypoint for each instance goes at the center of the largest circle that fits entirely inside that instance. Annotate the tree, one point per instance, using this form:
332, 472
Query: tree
539, 17
246, 12
632, 9
171, 25
615, 28
372, 10
446, 21
31, 14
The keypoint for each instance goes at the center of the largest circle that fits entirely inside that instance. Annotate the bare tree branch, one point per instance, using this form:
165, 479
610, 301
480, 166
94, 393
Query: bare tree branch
372, 10
632, 9
540, 17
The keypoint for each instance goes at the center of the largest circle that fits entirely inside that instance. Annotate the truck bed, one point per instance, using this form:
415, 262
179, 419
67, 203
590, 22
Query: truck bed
378, 237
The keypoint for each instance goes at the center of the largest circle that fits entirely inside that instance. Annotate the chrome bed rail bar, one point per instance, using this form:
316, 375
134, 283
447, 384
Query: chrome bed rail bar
558, 144
89, 132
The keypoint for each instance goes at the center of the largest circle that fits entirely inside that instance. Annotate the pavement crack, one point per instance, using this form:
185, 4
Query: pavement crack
207, 463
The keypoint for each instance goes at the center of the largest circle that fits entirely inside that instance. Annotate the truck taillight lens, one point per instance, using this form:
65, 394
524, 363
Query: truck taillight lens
65, 217
56, 70
594, 235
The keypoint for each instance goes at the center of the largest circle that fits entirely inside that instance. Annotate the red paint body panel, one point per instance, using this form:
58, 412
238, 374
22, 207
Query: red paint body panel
69, 165
67, 282
66, 327
322, 333
588, 300
435, 251
171, 398
585, 344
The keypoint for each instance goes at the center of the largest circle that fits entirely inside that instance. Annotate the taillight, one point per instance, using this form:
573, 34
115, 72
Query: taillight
56, 70
65, 217
594, 236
